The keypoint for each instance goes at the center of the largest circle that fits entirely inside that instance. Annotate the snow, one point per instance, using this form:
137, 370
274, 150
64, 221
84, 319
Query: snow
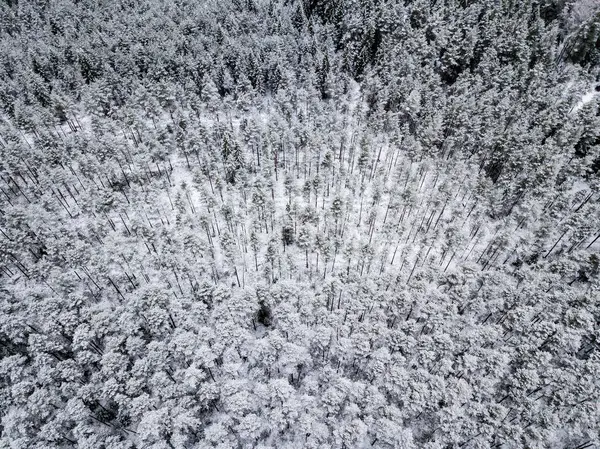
383, 333
585, 99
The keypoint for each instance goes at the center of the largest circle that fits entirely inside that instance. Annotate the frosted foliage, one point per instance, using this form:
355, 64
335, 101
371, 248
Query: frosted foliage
299, 224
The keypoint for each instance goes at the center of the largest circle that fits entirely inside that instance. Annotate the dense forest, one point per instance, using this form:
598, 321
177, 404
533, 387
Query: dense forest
300, 224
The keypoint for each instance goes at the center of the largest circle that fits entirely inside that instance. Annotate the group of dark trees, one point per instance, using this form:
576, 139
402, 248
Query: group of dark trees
299, 223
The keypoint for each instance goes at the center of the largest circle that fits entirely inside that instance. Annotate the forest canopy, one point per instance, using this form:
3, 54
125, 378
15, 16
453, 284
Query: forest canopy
300, 224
